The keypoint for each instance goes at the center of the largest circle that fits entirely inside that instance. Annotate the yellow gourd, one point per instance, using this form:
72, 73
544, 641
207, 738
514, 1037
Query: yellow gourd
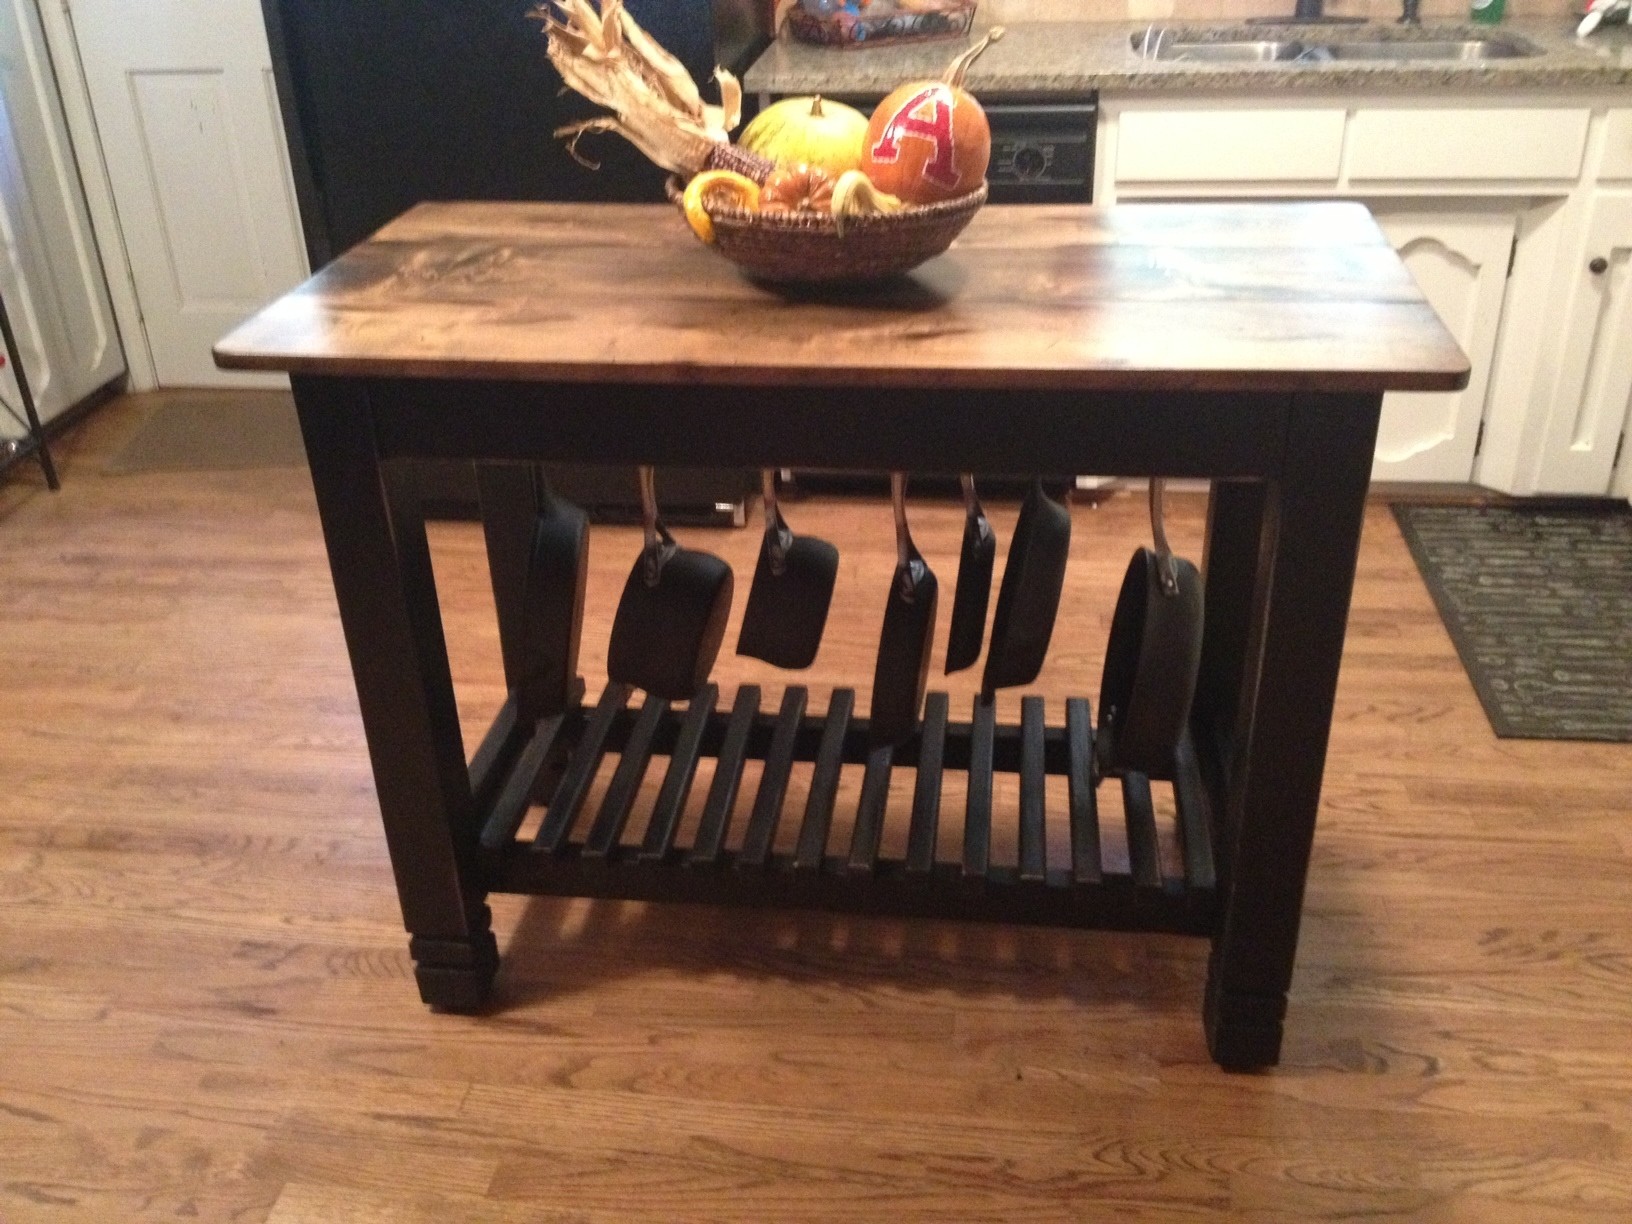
813, 131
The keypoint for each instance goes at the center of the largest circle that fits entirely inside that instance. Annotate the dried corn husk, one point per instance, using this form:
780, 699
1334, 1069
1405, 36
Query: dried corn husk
654, 102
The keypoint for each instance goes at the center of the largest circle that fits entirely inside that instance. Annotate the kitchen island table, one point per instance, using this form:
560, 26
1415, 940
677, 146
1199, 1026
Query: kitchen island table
1248, 344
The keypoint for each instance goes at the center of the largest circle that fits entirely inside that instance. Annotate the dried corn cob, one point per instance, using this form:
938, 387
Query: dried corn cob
654, 102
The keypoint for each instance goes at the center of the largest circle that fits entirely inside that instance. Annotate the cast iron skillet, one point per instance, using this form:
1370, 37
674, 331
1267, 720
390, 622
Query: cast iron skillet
1028, 599
974, 588
1152, 658
902, 670
671, 617
790, 594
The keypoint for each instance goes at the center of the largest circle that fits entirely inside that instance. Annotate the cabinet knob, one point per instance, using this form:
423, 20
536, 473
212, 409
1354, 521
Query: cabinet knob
1598, 266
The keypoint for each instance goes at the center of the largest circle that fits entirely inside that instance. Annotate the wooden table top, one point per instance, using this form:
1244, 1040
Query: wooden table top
1274, 297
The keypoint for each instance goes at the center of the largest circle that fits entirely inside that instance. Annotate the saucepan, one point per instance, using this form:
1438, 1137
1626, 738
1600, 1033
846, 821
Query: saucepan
1152, 658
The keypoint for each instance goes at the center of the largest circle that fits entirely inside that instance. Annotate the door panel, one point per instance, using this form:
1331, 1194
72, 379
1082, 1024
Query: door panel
188, 117
1595, 384
1459, 261
49, 270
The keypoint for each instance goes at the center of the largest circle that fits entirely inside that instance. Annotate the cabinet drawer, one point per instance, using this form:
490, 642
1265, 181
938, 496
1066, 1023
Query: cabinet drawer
1617, 163
1229, 146
1454, 145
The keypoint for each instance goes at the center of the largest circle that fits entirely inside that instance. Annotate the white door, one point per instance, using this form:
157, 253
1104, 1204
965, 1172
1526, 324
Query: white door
1591, 408
49, 272
188, 119
1459, 261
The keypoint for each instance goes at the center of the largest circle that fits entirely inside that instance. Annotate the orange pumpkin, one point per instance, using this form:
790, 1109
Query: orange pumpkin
930, 140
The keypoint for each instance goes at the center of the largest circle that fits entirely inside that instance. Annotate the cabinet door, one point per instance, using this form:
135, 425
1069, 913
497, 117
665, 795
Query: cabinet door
1459, 261
1589, 412
49, 271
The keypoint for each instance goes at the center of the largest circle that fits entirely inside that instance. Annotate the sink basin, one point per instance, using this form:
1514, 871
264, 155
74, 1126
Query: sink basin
1256, 51
1435, 49
1168, 43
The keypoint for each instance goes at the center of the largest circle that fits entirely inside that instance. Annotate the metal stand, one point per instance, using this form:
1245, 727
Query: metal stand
36, 432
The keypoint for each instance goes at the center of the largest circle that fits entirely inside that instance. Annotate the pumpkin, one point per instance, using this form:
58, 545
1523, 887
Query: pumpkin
797, 189
812, 131
930, 141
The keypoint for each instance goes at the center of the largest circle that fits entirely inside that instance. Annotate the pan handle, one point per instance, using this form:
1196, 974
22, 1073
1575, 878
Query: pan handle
660, 545
776, 530
1165, 570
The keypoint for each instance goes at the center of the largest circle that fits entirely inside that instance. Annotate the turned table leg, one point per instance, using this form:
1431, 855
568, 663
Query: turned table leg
381, 567
1276, 663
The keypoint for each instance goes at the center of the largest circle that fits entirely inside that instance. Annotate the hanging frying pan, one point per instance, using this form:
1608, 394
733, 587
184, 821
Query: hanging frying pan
974, 589
671, 618
790, 594
1029, 597
552, 605
902, 670
1152, 658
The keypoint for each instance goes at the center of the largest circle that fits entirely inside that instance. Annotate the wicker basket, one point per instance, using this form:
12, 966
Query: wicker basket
807, 248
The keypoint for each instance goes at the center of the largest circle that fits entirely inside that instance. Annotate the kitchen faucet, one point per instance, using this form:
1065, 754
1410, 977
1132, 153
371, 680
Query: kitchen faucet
1312, 12
1408, 13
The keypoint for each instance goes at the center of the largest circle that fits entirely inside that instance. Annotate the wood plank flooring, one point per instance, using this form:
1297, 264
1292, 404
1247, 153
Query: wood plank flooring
207, 1010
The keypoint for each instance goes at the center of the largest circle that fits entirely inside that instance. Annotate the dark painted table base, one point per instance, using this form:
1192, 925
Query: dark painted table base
1289, 472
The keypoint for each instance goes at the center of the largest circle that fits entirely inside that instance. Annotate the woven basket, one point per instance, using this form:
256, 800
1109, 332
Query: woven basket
807, 247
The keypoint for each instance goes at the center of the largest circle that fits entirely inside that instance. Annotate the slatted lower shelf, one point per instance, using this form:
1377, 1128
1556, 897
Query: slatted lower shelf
576, 851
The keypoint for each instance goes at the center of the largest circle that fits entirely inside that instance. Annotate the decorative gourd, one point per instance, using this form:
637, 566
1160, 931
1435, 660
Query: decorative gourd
797, 189
930, 140
813, 131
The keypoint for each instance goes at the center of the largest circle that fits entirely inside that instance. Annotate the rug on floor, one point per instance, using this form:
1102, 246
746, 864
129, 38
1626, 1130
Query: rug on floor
1539, 604
221, 433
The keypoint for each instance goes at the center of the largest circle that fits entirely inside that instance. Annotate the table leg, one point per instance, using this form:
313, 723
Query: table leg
509, 497
1308, 535
381, 567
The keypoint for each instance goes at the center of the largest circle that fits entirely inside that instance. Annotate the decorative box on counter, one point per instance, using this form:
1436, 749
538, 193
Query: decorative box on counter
849, 24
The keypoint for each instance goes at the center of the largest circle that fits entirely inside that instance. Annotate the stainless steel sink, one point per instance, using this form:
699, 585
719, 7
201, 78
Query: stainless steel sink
1244, 52
1435, 49
1170, 43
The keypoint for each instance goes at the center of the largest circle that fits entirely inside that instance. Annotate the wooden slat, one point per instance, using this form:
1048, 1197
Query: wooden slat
1195, 818
977, 820
510, 808
875, 798
580, 771
1033, 845
824, 782
926, 795
722, 794
1086, 864
773, 781
671, 799
605, 833
493, 749
1143, 861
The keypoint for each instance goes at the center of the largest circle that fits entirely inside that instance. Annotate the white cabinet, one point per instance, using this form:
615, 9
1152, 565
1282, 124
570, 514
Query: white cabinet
1498, 202
1589, 410
1459, 260
50, 273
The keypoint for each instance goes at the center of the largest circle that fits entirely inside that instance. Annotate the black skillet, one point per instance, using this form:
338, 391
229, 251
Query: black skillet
974, 588
671, 617
1029, 598
553, 605
902, 670
790, 594
1152, 658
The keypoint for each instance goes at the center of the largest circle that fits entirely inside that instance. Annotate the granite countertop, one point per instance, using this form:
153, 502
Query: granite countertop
1069, 57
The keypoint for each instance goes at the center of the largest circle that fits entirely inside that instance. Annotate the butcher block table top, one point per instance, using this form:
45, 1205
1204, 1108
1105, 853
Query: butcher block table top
1260, 296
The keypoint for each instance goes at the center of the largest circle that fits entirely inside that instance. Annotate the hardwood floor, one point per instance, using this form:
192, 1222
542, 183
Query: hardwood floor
207, 1009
